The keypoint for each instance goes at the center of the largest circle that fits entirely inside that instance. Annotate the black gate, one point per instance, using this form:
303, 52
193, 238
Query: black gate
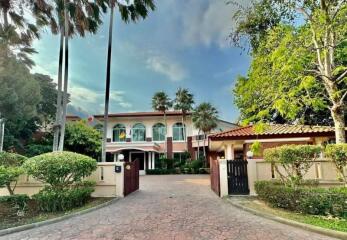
237, 177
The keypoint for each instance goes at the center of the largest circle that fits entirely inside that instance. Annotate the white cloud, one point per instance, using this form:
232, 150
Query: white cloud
90, 99
208, 25
165, 66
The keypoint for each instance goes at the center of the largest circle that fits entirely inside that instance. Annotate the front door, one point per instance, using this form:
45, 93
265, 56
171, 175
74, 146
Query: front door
237, 177
140, 156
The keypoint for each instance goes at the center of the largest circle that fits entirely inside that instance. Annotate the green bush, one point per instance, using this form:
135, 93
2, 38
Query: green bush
60, 169
18, 202
162, 171
54, 200
338, 154
294, 160
303, 199
33, 150
10, 169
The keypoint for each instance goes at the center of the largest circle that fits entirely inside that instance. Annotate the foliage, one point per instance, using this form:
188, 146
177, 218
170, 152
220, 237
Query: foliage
316, 201
10, 170
292, 162
82, 138
53, 200
338, 154
184, 100
32, 150
302, 71
60, 169
18, 202
256, 147
161, 102
162, 171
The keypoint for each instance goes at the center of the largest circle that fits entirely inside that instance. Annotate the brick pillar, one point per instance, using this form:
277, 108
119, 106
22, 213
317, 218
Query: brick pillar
190, 147
169, 147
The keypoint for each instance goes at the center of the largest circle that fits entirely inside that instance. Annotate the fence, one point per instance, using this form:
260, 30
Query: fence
108, 182
322, 170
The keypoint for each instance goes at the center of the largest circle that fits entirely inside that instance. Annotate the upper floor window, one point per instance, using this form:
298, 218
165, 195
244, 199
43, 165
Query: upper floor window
159, 131
119, 133
139, 132
178, 132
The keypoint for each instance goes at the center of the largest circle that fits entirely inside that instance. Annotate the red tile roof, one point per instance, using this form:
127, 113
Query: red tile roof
140, 114
274, 130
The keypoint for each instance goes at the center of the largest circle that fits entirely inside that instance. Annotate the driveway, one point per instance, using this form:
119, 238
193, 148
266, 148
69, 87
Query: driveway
168, 207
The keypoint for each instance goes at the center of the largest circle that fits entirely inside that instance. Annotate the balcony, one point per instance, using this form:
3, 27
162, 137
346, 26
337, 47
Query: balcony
142, 146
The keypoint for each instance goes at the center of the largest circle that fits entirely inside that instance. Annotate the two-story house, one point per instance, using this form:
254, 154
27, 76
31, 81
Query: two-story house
141, 135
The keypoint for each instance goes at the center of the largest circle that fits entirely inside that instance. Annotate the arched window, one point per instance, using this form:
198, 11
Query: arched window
159, 131
178, 132
119, 133
139, 132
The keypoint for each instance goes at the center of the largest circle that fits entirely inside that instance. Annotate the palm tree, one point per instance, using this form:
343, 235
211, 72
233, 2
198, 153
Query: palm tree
16, 31
184, 102
205, 118
161, 102
138, 9
69, 18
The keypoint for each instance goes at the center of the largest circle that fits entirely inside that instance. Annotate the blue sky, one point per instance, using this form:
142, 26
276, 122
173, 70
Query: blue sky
182, 44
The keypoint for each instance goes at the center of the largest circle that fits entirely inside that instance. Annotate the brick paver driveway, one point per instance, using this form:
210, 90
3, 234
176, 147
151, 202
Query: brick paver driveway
168, 207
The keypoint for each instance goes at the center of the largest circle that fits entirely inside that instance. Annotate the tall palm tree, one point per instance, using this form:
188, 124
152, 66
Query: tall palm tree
69, 18
205, 118
16, 30
184, 102
130, 11
161, 102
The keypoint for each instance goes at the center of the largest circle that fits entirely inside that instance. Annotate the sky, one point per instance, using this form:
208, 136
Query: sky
183, 43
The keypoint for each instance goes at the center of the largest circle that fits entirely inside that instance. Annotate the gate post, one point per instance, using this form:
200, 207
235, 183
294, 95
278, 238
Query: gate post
223, 177
120, 180
252, 175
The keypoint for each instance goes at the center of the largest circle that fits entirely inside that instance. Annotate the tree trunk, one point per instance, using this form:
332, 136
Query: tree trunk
204, 147
9, 189
57, 124
108, 83
338, 115
5, 17
198, 152
165, 143
66, 79
2, 133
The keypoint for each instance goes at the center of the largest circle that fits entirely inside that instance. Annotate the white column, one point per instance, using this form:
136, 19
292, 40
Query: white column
153, 160
120, 180
223, 177
229, 155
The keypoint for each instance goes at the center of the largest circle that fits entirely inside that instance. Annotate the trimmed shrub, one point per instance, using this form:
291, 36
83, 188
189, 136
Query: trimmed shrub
10, 169
309, 200
294, 160
18, 202
338, 154
60, 169
54, 200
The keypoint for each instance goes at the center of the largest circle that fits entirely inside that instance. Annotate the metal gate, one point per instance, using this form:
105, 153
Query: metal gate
131, 177
237, 177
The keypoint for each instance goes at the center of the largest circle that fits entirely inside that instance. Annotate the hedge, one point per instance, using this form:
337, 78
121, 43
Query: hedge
17, 201
309, 200
162, 171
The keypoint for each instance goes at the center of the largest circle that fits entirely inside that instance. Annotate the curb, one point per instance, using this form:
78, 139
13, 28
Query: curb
316, 229
54, 220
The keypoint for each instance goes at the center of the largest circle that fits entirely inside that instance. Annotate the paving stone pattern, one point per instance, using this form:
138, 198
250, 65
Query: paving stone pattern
168, 207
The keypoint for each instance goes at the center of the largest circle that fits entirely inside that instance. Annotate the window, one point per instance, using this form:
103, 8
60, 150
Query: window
139, 132
119, 133
159, 131
178, 132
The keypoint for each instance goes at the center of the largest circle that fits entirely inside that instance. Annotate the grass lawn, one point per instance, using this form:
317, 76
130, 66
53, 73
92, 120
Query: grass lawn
9, 218
320, 221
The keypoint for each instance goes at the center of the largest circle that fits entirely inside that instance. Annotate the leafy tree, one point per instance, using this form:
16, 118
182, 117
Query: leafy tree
82, 138
130, 11
291, 96
161, 102
326, 42
10, 170
294, 160
205, 118
184, 102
